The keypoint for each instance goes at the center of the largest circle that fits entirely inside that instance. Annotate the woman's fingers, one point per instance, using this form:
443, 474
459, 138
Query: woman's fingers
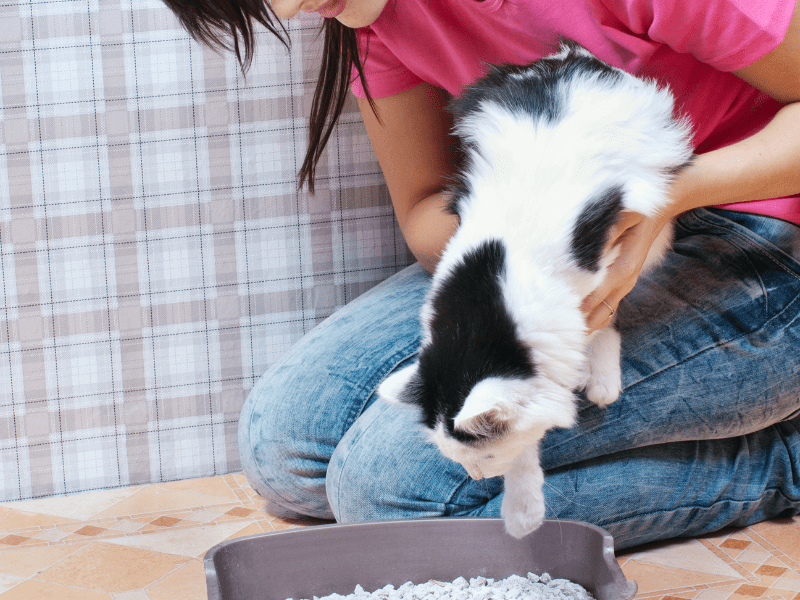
632, 237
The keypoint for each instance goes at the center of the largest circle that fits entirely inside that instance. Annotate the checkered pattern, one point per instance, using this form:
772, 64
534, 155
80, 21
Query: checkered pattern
156, 257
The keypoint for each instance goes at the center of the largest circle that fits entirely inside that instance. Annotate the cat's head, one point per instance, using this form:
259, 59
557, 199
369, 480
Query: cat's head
486, 430
483, 392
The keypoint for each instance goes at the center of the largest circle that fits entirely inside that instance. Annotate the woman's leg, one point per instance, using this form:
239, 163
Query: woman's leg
710, 346
710, 342
682, 489
386, 468
299, 410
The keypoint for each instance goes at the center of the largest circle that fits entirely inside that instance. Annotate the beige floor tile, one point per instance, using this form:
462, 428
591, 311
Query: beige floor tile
689, 555
8, 581
754, 557
192, 542
713, 594
792, 574
784, 583
784, 534
653, 578
26, 562
80, 506
132, 595
252, 529
204, 516
127, 526
187, 583
209, 486
151, 499
52, 535
774, 562
111, 568
241, 479
40, 590
11, 518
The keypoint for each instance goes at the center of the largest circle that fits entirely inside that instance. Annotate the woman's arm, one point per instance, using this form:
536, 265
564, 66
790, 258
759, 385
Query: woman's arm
765, 165
414, 148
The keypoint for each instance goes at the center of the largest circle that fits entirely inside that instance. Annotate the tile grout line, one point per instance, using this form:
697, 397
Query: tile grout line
766, 544
146, 515
726, 558
35, 543
32, 577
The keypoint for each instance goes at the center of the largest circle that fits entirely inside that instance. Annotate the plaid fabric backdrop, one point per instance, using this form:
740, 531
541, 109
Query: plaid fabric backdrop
155, 256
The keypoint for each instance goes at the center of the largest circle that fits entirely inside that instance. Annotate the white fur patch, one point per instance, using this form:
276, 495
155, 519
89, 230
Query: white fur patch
392, 388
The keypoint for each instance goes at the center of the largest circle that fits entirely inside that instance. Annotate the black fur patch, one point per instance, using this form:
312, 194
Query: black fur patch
590, 233
536, 93
473, 337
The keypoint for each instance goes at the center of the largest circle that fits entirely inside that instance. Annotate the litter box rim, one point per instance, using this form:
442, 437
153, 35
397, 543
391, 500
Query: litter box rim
224, 558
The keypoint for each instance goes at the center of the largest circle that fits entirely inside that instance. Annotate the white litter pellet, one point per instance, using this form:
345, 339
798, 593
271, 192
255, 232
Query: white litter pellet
532, 587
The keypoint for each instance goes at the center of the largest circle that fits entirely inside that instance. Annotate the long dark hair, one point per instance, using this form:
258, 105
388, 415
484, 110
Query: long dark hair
230, 25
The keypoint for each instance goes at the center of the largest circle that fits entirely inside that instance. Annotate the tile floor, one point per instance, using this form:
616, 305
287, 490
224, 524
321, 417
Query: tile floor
147, 543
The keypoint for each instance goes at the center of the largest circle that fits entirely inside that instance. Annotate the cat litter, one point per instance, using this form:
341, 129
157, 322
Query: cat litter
532, 587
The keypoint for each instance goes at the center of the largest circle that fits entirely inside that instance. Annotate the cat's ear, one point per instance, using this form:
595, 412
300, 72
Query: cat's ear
488, 410
396, 388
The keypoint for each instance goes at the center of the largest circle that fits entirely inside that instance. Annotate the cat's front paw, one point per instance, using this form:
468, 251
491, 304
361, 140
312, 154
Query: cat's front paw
604, 384
603, 388
521, 515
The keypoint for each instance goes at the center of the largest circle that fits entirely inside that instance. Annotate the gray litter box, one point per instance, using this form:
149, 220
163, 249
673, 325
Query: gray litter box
326, 559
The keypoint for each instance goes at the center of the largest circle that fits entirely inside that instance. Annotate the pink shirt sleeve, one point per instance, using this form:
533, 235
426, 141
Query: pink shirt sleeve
726, 34
384, 72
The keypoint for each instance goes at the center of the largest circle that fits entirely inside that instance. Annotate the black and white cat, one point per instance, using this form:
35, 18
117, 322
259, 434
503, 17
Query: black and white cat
554, 151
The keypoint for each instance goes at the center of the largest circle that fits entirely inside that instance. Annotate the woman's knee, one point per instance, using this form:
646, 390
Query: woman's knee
386, 468
284, 465
299, 410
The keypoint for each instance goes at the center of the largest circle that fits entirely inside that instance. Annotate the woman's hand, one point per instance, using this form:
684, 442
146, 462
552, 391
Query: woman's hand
632, 237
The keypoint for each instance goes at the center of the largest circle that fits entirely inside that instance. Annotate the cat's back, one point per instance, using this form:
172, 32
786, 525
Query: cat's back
553, 93
544, 139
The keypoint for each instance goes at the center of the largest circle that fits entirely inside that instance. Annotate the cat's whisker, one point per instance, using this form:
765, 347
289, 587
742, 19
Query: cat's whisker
564, 496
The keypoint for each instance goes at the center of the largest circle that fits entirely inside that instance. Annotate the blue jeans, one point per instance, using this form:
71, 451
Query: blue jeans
706, 433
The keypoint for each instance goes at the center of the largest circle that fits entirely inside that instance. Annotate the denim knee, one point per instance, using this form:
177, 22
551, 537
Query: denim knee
277, 462
386, 467
299, 410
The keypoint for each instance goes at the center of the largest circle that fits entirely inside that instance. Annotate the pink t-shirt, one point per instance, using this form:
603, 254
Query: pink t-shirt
690, 46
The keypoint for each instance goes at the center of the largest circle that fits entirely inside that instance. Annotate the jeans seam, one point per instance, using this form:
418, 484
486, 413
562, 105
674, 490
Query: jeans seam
394, 362
341, 473
721, 343
449, 502
613, 521
750, 242
370, 388
264, 479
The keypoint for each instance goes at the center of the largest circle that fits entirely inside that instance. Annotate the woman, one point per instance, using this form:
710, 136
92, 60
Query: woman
706, 433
